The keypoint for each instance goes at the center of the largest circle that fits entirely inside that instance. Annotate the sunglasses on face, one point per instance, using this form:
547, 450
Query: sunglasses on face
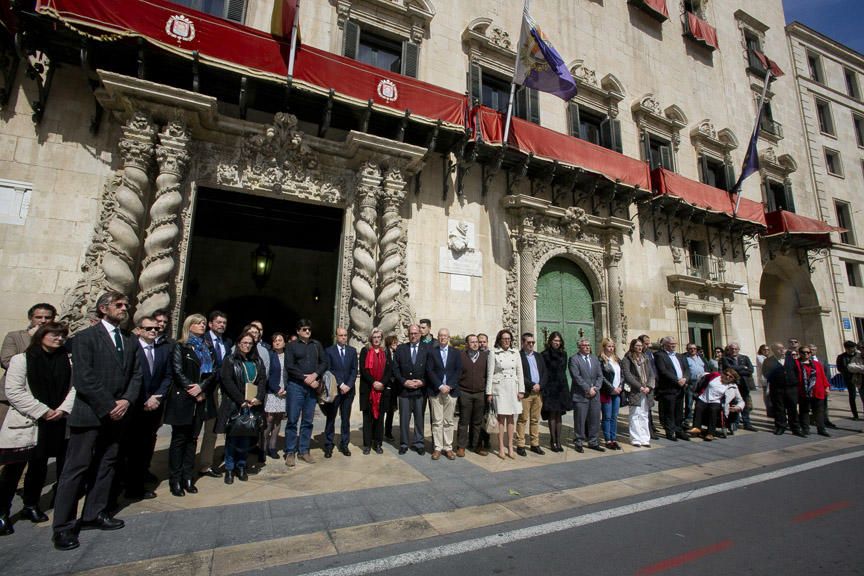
149, 328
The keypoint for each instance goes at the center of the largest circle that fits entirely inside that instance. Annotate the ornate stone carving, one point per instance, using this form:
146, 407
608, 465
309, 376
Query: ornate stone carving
622, 315
676, 254
406, 312
573, 221
500, 38
82, 297
363, 280
706, 128
582, 72
164, 229
650, 103
390, 260
120, 261
279, 161
510, 315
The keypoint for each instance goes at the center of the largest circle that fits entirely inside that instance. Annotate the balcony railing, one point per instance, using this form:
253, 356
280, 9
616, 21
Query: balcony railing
771, 127
705, 267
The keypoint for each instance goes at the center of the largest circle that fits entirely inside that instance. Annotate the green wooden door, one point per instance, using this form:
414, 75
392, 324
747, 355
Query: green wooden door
564, 303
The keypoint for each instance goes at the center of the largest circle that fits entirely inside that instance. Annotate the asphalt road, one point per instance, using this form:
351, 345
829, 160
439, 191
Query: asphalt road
807, 522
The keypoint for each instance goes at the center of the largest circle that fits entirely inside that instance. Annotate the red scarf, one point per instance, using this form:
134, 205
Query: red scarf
376, 360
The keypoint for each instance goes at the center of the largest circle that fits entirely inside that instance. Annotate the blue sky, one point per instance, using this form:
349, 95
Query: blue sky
841, 20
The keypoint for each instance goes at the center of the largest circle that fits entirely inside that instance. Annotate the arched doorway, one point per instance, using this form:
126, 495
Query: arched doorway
564, 303
791, 305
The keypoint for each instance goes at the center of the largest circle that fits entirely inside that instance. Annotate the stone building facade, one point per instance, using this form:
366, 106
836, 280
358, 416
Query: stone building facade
109, 162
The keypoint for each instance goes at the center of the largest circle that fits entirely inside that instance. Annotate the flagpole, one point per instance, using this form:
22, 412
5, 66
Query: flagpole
294, 28
509, 117
768, 79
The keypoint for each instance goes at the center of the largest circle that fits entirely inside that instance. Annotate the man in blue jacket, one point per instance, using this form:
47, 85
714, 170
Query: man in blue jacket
445, 369
342, 360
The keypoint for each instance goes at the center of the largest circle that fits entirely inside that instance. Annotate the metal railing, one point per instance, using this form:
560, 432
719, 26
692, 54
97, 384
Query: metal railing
705, 267
771, 127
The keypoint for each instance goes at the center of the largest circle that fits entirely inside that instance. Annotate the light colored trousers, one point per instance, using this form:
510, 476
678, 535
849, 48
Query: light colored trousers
443, 407
531, 406
640, 432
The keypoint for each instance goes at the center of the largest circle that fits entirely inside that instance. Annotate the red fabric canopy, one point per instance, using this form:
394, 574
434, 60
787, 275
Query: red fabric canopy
255, 53
705, 197
769, 64
550, 145
658, 6
783, 222
701, 30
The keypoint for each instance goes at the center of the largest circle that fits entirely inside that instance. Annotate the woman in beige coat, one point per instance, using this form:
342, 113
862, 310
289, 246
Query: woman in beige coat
39, 389
505, 387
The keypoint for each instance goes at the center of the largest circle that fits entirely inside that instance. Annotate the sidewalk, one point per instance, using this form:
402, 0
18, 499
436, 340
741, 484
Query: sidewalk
343, 504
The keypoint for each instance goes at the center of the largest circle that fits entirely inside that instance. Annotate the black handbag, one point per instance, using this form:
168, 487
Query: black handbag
244, 423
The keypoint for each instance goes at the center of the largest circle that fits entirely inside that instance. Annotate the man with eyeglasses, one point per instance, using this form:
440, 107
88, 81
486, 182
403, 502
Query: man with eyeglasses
732, 358
107, 377
671, 380
780, 371
696, 366
305, 364
534, 375
410, 364
17, 342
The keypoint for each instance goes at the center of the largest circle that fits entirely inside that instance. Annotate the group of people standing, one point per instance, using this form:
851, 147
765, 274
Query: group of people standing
100, 420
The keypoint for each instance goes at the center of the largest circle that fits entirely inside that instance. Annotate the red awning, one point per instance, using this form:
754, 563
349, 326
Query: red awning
658, 6
768, 64
783, 222
550, 145
705, 197
702, 31
255, 53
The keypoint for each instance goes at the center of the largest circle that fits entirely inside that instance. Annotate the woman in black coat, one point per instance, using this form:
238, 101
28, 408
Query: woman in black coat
375, 391
556, 393
390, 344
241, 368
189, 403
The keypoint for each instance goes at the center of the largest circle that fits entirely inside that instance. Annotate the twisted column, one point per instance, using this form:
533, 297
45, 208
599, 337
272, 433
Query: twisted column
363, 280
123, 249
389, 256
527, 283
164, 229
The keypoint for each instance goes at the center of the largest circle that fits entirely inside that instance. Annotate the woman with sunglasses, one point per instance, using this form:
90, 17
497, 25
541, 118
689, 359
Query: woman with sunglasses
186, 405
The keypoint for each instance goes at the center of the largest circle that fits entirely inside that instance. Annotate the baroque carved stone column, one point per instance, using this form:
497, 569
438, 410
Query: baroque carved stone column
390, 258
123, 252
164, 228
610, 262
527, 285
363, 280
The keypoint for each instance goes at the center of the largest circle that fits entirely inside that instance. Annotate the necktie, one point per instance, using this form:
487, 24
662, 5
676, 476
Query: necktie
118, 341
413, 353
588, 361
218, 347
150, 360
342, 353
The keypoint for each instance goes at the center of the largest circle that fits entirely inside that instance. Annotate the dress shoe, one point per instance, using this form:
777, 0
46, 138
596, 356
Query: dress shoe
367, 450
436, 455
537, 450
597, 448
779, 431
176, 489
682, 436
449, 455
328, 452
229, 476
307, 458
695, 431
274, 454
824, 433
521, 451
5, 525
210, 473
379, 449
345, 451
190, 487
671, 437
460, 452
482, 452
290, 460
102, 522
421, 451
403, 450
708, 438
65, 540
241, 474
578, 448
750, 428
34, 514
142, 495
610, 446
830, 425
615, 445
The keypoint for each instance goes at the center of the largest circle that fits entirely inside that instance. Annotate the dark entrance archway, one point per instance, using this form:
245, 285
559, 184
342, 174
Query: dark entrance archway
305, 240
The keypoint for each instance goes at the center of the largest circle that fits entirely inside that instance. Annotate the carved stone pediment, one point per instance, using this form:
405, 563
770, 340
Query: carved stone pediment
278, 160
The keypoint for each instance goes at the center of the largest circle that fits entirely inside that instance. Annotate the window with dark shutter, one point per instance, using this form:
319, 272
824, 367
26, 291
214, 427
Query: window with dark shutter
659, 153
410, 58
235, 10
610, 135
351, 40
475, 84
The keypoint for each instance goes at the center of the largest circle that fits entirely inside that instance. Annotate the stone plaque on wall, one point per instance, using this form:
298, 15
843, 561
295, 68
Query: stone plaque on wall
460, 255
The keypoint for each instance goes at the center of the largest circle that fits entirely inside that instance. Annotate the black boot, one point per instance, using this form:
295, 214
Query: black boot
229, 476
241, 474
189, 485
176, 488
34, 514
5, 525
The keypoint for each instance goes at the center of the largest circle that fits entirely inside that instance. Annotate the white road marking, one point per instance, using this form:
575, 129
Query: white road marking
420, 556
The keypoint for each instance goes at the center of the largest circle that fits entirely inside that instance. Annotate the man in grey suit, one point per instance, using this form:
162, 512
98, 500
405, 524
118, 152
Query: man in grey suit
587, 378
107, 379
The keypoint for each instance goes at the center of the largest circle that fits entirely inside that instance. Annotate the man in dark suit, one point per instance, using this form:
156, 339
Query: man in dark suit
145, 415
445, 369
587, 376
409, 367
107, 379
220, 347
534, 374
783, 390
672, 377
342, 360
732, 358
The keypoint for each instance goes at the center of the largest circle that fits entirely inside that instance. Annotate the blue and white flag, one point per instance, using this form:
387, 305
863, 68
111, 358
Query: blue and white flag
538, 64
751, 158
